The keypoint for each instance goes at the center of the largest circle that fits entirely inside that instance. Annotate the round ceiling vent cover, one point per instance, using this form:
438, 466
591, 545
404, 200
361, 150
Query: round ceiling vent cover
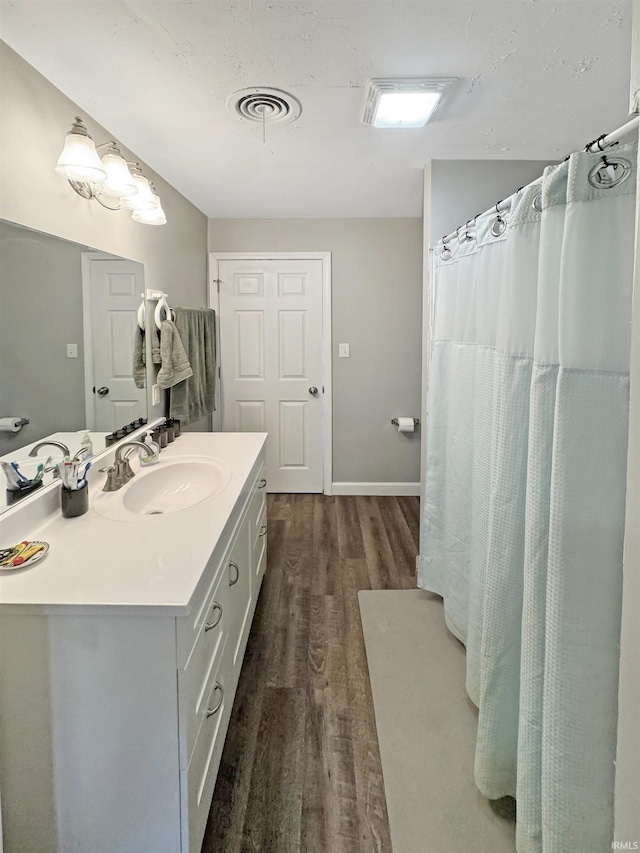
264, 105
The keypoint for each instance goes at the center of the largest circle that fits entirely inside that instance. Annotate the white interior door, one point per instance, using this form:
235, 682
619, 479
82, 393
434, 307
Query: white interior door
271, 362
114, 293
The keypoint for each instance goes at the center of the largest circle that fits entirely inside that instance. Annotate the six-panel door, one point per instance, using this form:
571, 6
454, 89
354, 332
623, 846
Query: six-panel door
271, 357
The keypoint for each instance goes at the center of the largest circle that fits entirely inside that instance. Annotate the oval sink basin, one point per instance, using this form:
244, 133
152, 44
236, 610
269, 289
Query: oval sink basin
167, 488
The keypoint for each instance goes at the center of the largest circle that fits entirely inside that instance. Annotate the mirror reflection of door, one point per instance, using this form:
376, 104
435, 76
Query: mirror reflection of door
112, 289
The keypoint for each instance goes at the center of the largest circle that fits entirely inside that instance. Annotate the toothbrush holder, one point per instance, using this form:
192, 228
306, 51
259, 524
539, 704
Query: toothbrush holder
74, 502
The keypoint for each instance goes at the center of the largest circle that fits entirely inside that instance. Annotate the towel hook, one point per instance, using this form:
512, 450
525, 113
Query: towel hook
162, 305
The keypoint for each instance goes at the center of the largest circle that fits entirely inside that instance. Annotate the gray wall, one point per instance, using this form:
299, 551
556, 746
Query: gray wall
460, 189
377, 303
35, 118
40, 312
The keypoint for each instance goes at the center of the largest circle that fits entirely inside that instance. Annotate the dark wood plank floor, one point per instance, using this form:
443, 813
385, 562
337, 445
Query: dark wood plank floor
301, 769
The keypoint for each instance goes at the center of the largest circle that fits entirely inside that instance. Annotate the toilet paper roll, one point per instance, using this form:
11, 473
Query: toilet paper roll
406, 425
10, 424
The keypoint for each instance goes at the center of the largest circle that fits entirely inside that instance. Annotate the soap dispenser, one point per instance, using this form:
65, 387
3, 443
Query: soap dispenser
87, 445
153, 455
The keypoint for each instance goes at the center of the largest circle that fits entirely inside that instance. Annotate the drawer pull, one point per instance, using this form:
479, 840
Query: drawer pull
263, 530
217, 608
211, 712
262, 483
237, 577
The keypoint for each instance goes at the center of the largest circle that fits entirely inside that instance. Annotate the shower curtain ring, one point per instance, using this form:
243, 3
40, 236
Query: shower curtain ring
445, 251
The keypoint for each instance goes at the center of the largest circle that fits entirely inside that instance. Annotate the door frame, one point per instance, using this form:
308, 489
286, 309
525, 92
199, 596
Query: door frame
327, 397
86, 259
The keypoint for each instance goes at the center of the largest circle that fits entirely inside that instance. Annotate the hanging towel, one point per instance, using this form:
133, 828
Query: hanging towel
139, 369
175, 365
156, 356
195, 397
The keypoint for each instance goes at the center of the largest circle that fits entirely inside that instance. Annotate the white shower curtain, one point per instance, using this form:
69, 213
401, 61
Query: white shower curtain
524, 500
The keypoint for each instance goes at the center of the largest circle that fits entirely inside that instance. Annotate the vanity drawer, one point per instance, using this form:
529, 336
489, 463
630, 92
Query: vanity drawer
239, 573
198, 781
195, 678
188, 627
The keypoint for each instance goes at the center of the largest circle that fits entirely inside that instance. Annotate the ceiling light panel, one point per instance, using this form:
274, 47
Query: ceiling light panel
405, 101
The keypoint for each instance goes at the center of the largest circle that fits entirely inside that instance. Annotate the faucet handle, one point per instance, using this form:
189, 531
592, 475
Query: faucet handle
112, 484
123, 471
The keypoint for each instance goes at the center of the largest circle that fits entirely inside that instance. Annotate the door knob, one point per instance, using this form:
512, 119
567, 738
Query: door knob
102, 392
313, 391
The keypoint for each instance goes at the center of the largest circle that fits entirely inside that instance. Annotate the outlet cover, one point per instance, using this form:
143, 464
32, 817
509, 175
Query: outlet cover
343, 350
155, 395
72, 350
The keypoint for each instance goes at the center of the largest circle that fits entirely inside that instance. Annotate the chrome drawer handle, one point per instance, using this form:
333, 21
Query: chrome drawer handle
262, 483
237, 578
211, 712
209, 625
263, 530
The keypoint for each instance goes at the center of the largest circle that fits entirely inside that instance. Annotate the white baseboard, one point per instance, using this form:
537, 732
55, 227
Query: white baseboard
399, 489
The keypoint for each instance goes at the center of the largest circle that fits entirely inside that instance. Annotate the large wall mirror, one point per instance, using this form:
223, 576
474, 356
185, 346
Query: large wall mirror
68, 317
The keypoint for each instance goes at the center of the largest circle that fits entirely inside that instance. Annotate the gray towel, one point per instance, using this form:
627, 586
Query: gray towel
139, 370
156, 356
195, 397
175, 364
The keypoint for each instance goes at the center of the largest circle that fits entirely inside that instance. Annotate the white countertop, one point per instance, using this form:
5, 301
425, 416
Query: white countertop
151, 562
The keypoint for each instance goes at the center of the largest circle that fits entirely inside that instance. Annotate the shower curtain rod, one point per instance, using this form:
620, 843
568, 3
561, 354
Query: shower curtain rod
599, 144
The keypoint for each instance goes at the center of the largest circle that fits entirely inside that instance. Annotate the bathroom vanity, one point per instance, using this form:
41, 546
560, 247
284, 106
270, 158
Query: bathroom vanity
120, 655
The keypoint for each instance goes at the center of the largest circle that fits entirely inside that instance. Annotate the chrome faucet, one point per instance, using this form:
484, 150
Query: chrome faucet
63, 447
120, 472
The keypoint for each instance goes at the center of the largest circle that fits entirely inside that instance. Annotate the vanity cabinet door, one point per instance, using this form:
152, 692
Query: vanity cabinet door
198, 781
238, 571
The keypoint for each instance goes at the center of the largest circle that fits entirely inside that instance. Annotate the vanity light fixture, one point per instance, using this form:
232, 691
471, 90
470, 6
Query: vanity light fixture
405, 101
143, 198
120, 182
79, 160
107, 177
156, 216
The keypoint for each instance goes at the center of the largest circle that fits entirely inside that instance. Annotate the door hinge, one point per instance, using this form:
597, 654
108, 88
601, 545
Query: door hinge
219, 373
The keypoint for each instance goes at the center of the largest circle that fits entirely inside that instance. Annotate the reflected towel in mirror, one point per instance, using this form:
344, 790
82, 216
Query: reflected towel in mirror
139, 368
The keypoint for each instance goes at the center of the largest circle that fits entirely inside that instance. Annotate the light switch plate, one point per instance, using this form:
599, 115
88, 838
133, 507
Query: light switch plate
72, 350
343, 350
155, 395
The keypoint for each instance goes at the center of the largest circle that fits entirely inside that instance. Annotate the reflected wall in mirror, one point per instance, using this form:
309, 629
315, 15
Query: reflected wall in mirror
68, 317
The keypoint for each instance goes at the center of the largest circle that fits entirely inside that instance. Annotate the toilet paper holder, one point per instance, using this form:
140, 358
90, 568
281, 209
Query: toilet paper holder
416, 422
14, 424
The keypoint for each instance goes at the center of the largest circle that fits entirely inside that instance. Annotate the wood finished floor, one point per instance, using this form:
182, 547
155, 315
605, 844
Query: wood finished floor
300, 772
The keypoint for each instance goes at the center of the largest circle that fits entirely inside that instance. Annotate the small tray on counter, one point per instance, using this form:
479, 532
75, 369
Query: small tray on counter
9, 555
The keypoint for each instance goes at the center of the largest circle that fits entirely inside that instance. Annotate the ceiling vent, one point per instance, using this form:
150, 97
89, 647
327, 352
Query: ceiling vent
264, 105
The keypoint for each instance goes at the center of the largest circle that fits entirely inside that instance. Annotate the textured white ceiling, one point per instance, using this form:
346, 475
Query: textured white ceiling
538, 78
